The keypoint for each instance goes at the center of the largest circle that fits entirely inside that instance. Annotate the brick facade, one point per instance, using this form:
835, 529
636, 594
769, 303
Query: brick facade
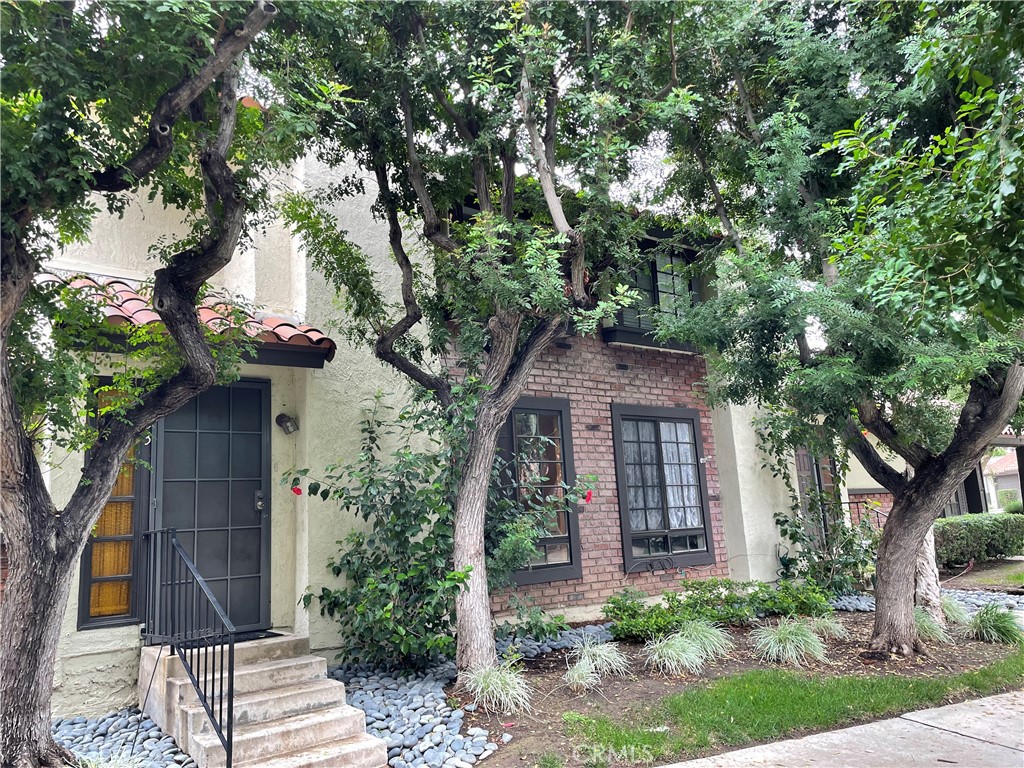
877, 515
592, 375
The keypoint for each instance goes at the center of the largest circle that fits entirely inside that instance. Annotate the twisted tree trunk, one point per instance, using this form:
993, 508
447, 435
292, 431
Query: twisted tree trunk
928, 591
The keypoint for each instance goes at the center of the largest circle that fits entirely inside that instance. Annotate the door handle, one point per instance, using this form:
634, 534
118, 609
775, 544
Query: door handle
260, 504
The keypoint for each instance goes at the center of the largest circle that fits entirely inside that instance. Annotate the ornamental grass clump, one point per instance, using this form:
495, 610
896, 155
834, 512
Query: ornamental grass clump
674, 654
954, 612
827, 627
500, 689
993, 624
788, 641
581, 676
711, 639
603, 658
928, 629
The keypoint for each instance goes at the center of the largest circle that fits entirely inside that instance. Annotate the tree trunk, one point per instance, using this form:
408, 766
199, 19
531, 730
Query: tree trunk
35, 597
928, 592
895, 631
474, 633
40, 557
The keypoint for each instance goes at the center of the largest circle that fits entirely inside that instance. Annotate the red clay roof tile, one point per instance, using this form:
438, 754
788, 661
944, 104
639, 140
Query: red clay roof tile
122, 303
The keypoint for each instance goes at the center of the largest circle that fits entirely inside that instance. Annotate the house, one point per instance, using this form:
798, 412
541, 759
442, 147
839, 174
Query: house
1004, 474
680, 491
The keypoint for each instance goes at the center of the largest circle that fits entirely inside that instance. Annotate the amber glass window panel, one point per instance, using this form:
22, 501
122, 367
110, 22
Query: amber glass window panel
110, 598
112, 548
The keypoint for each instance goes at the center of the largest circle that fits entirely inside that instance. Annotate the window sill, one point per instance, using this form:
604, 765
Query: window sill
111, 623
634, 337
545, 574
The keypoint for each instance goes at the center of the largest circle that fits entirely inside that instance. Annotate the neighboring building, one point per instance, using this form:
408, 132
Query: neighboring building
1004, 472
680, 491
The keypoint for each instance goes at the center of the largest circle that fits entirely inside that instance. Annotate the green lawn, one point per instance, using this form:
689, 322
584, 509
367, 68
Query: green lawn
767, 705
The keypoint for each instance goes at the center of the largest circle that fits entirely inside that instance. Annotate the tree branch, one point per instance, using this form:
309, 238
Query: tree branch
518, 371
720, 208
384, 348
870, 459
464, 126
508, 156
175, 292
175, 101
542, 151
872, 418
431, 221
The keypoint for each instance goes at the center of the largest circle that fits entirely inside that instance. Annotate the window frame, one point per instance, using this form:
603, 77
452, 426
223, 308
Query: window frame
631, 563
620, 333
543, 574
141, 503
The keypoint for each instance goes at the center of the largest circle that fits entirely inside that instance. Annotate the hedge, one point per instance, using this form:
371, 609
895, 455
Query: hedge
959, 540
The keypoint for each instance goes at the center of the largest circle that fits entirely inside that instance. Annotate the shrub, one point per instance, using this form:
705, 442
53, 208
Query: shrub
789, 598
928, 629
674, 655
954, 612
1014, 507
787, 642
713, 601
993, 624
712, 640
827, 627
1006, 497
961, 539
603, 658
500, 689
721, 600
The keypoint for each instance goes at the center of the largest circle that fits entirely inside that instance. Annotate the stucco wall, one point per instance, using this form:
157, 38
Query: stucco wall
750, 496
338, 397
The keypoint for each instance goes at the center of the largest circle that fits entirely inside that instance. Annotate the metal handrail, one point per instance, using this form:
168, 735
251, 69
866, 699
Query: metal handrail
183, 612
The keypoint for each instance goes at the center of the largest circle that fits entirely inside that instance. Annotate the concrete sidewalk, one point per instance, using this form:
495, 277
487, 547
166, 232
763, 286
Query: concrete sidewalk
985, 733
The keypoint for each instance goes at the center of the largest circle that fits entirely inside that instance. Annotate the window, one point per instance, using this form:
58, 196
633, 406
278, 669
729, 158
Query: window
815, 479
108, 592
662, 487
661, 286
536, 441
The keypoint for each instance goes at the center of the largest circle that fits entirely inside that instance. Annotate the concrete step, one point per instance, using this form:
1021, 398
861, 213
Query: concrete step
360, 751
254, 652
259, 742
249, 678
273, 704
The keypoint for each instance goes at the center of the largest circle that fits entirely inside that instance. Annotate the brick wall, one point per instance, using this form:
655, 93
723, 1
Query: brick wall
877, 515
590, 377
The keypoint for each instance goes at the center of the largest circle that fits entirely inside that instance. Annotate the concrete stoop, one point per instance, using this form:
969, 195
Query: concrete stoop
287, 714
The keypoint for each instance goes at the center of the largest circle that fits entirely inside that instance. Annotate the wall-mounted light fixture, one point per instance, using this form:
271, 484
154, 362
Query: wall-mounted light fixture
287, 423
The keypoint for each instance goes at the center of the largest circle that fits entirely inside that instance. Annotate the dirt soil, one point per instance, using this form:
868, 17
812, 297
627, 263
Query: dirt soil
543, 730
990, 575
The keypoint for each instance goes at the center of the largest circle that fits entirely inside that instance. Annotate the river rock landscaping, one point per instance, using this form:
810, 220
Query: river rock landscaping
423, 726
412, 713
973, 600
126, 733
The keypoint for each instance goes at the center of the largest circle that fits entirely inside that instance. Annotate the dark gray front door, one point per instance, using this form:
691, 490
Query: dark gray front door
213, 466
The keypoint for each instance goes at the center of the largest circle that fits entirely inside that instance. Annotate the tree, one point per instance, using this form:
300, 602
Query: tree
899, 241
98, 100
449, 99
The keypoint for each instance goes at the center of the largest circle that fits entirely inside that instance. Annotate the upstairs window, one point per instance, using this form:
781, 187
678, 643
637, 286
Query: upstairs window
662, 286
